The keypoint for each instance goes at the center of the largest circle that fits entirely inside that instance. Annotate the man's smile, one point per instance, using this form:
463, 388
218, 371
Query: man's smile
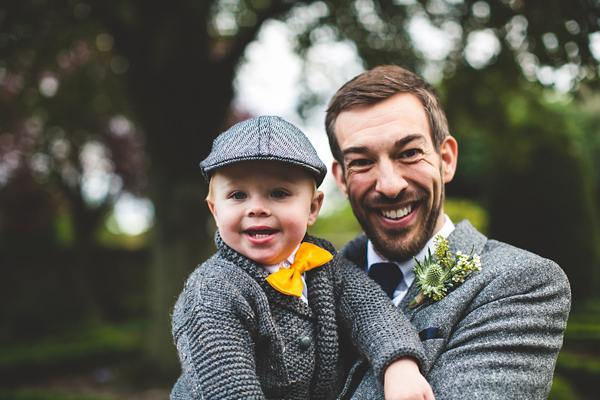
397, 213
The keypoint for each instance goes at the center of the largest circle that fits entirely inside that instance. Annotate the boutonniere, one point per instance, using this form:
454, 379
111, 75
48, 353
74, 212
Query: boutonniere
441, 271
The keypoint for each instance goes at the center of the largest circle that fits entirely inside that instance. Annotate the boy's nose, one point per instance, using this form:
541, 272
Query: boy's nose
257, 208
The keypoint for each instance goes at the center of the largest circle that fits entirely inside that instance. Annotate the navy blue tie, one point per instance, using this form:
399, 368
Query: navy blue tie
388, 275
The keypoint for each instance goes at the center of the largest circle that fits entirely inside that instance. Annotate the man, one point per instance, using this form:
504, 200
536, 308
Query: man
496, 335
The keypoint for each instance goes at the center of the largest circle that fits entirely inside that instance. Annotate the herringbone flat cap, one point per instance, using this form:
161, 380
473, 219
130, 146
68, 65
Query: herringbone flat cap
264, 138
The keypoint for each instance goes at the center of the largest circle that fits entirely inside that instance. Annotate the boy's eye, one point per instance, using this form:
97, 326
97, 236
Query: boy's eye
278, 193
238, 195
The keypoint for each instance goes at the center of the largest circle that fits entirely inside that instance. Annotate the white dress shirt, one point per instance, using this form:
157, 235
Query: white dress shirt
407, 266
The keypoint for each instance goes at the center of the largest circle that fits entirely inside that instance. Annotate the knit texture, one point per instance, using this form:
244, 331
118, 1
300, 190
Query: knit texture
238, 338
501, 330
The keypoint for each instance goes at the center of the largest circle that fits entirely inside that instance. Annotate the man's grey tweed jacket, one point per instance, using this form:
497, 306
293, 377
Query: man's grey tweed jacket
497, 335
238, 338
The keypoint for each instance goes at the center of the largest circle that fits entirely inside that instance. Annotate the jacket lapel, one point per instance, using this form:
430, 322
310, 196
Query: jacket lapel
412, 292
464, 238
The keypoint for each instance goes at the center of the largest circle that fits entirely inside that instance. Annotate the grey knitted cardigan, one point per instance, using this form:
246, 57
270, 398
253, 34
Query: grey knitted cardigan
238, 338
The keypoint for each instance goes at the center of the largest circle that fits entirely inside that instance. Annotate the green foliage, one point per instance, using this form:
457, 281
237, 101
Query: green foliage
78, 351
584, 323
97, 341
561, 389
63, 226
583, 330
109, 239
536, 170
578, 364
26, 367
339, 227
459, 209
542, 198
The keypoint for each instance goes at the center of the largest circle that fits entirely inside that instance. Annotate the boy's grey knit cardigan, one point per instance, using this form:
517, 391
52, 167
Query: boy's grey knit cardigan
238, 338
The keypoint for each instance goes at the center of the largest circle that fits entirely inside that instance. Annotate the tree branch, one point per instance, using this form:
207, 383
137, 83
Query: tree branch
247, 35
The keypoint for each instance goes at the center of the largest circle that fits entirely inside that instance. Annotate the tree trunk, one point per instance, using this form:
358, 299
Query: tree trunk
179, 245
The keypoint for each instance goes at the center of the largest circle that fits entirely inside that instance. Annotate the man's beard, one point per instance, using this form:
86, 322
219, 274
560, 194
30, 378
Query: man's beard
389, 244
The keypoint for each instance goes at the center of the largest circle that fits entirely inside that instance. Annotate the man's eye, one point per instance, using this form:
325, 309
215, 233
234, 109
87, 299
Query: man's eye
410, 153
361, 162
278, 193
238, 195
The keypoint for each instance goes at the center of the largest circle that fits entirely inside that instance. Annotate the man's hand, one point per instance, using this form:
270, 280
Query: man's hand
403, 381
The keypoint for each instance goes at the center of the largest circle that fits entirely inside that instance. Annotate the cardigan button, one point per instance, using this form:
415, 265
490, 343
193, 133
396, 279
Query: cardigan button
305, 342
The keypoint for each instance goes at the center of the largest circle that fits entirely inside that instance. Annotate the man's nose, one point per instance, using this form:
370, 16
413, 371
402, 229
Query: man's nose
390, 180
257, 207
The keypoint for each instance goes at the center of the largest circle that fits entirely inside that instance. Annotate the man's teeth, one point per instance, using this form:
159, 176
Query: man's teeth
397, 214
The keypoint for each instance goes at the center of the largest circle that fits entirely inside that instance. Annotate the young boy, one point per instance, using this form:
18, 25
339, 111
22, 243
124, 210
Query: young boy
273, 313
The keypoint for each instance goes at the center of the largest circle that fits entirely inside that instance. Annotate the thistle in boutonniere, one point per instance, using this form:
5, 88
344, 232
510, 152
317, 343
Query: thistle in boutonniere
441, 271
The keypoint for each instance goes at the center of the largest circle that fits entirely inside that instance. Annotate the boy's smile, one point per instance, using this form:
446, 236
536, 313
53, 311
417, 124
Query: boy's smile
262, 208
258, 234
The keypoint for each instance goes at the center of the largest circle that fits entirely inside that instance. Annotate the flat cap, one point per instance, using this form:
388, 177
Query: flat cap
267, 138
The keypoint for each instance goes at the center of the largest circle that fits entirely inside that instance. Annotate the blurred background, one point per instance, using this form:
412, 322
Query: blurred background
107, 107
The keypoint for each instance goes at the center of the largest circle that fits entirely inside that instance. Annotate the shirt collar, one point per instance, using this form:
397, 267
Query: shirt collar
283, 264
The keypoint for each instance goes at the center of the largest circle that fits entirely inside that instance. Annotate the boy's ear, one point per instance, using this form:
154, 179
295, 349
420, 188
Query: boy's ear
211, 207
315, 207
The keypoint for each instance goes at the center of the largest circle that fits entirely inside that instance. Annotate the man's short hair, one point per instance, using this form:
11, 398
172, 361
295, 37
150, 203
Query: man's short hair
381, 83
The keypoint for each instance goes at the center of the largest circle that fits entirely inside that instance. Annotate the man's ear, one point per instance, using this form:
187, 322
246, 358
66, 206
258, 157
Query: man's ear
315, 207
340, 179
449, 156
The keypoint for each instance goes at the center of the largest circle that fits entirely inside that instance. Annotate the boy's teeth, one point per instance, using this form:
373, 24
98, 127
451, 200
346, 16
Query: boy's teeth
260, 234
397, 214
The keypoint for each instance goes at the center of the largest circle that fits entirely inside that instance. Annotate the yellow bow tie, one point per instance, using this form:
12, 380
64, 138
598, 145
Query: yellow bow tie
289, 280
